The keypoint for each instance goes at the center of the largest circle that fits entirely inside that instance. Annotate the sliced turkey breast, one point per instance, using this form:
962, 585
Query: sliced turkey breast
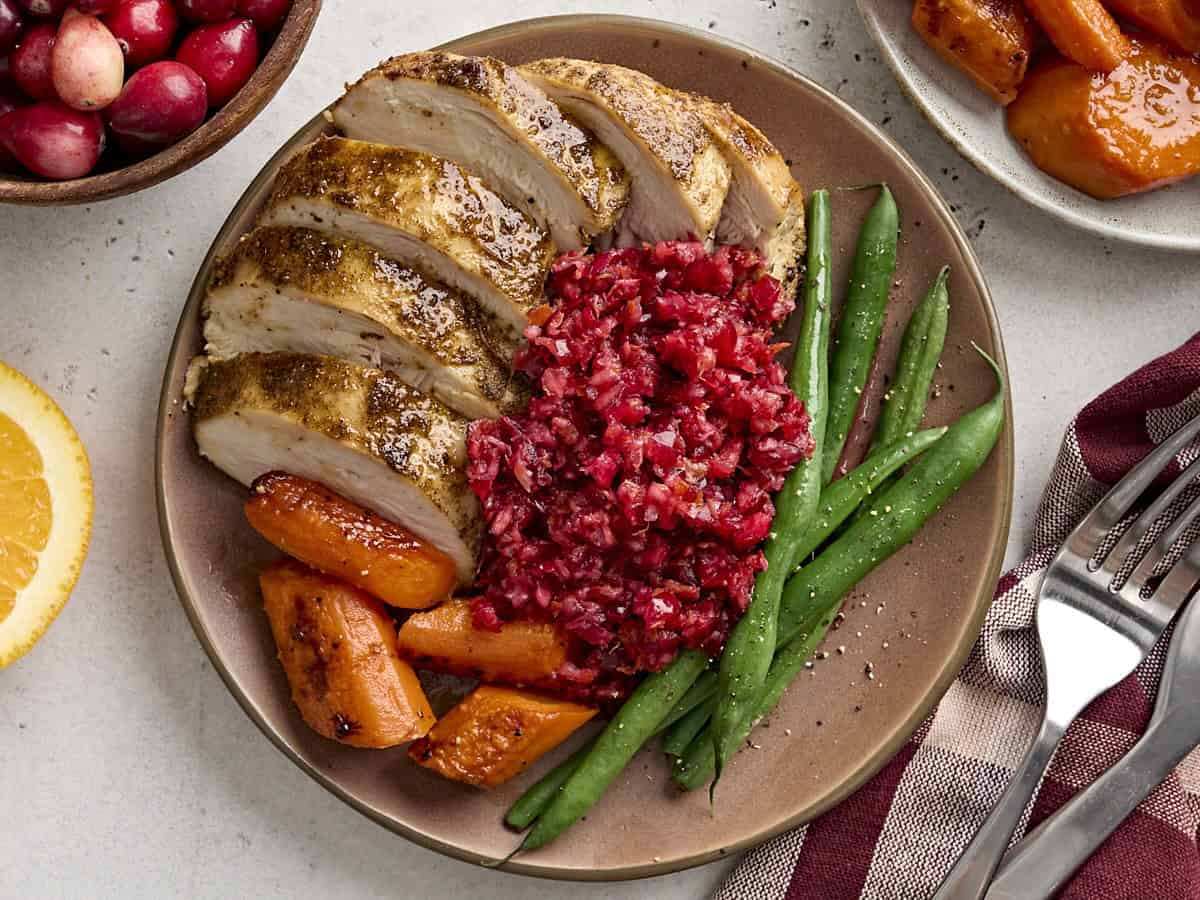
679, 175
297, 290
423, 211
360, 432
764, 208
483, 114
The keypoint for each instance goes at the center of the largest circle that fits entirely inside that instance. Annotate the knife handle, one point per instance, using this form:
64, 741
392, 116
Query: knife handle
1041, 863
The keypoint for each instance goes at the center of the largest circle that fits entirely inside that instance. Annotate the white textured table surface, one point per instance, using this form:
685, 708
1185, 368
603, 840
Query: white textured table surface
126, 770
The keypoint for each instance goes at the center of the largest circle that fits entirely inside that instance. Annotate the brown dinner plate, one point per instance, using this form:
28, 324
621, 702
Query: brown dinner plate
914, 620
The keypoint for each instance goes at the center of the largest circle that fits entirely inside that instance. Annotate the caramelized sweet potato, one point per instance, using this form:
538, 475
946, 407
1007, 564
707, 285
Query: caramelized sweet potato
1132, 130
990, 40
1175, 21
494, 733
444, 640
338, 648
1082, 30
316, 526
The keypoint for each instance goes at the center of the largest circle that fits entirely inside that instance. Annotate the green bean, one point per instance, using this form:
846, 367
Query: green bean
813, 596
697, 763
751, 644
897, 514
861, 323
840, 499
685, 730
634, 723
702, 690
534, 801
904, 405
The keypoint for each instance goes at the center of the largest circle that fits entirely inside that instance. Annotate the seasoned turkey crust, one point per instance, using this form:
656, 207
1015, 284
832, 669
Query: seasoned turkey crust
405, 202
361, 432
445, 104
663, 138
295, 289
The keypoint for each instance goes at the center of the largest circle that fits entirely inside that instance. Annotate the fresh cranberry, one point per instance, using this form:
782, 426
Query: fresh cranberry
145, 29
53, 140
45, 8
12, 25
207, 11
30, 62
267, 15
224, 55
160, 104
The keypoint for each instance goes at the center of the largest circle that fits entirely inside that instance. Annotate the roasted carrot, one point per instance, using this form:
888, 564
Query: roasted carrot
1132, 130
1175, 21
1082, 30
310, 522
990, 40
444, 640
338, 648
495, 732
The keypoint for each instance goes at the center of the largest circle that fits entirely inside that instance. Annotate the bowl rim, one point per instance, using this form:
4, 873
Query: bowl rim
273, 70
1020, 188
953, 664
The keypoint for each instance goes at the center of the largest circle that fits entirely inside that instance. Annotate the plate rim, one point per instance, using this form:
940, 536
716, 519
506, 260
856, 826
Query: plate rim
168, 406
1019, 189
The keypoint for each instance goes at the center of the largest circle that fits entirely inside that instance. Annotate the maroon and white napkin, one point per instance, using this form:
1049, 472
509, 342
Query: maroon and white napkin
897, 837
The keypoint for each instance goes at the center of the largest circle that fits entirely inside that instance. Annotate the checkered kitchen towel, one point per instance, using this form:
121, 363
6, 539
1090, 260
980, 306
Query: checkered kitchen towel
898, 836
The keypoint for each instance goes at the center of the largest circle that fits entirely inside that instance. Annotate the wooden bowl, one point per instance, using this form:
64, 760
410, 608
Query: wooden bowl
200, 144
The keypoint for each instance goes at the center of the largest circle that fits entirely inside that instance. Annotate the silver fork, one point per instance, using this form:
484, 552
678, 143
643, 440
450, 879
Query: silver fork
1092, 633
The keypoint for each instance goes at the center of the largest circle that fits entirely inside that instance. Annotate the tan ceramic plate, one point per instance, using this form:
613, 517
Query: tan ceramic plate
927, 603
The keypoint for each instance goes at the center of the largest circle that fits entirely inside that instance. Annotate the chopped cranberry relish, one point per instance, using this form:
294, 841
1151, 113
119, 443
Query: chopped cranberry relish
627, 502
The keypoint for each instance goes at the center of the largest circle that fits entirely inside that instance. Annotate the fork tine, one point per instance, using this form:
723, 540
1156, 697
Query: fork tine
1179, 584
1134, 534
1086, 538
1157, 553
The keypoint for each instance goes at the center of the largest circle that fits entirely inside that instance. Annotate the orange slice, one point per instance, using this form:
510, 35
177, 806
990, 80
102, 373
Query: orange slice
45, 512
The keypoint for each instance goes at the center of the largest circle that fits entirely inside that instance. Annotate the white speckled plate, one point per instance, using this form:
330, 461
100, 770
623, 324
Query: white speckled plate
974, 125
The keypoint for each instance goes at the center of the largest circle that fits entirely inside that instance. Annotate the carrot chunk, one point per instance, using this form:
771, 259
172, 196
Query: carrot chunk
308, 521
338, 649
494, 733
1135, 129
990, 40
443, 639
1082, 30
1175, 21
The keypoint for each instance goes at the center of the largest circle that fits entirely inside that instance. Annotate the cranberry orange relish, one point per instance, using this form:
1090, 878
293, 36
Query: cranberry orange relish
627, 502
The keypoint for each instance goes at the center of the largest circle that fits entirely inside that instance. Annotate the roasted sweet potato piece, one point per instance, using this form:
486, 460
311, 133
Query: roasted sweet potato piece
1175, 21
1134, 129
308, 521
1082, 30
444, 640
338, 648
494, 733
990, 40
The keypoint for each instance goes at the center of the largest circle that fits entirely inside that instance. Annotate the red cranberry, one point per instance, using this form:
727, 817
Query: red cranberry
12, 25
207, 11
30, 62
145, 29
160, 104
45, 8
224, 55
53, 140
267, 15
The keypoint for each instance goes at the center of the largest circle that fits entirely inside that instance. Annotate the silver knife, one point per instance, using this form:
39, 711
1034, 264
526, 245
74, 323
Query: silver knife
1043, 862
